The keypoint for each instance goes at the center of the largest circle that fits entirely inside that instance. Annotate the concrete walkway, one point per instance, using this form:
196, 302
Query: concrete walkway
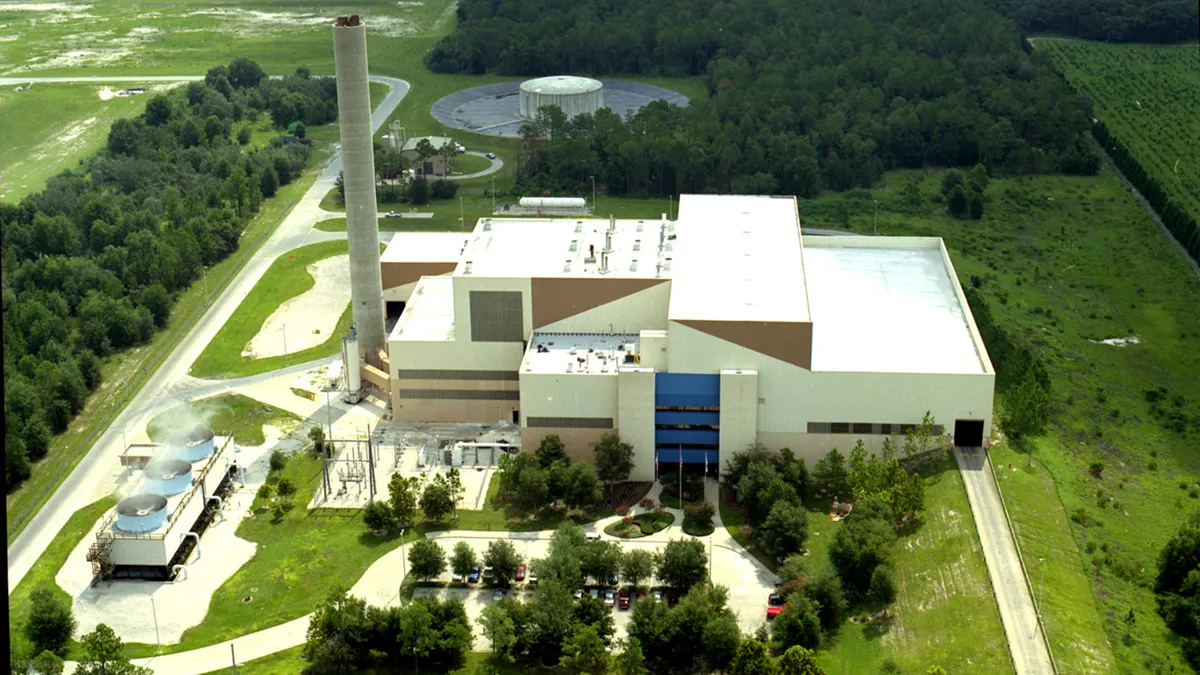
1017, 613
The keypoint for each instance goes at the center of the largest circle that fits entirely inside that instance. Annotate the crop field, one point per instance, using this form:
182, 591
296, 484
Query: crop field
1148, 96
1065, 263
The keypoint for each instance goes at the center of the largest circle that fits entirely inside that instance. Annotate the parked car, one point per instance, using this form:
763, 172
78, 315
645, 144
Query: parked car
658, 596
672, 598
532, 580
595, 593
490, 155
593, 536
578, 593
774, 605
521, 573
623, 599
392, 214
473, 577
610, 597
498, 594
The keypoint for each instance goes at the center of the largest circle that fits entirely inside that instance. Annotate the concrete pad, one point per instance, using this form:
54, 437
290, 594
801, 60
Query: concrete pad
308, 319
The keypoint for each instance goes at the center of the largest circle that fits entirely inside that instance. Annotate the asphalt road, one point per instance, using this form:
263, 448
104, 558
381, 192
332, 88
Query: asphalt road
171, 382
1017, 613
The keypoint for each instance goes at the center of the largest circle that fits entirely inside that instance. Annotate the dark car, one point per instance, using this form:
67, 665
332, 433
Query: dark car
623, 599
473, 577
521, 573
672, 598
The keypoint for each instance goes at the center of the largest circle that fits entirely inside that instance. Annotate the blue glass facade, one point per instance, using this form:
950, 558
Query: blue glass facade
687, 418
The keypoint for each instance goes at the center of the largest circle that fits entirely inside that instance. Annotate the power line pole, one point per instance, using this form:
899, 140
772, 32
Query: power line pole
876, 216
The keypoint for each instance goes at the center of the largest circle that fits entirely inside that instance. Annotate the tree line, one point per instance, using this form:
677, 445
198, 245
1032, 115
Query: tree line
93, 263
800, 96
1108, 20
1178, 221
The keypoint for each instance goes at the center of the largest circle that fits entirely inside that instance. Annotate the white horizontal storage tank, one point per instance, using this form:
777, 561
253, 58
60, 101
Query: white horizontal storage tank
553, 202
575, 95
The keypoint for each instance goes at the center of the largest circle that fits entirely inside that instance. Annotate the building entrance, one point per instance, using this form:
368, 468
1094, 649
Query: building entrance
968, 433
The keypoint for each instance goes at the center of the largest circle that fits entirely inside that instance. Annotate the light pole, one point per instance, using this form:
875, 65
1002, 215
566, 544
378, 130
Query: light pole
876, 216
593, 193
155, 610
493, 194
205, 275
124, 442
1041, 588
283, 329
403, 570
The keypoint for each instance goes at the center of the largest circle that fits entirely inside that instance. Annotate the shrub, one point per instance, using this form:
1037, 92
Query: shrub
50, 621
622, 510
883, 586
648, 503
277, 512
1096, 469
278, 461
286, 487
265, 491
377, 516
443, 189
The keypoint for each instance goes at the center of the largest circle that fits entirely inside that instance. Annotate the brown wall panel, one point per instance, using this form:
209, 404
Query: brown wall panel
557, 298
396, 274
790, 342
581, 443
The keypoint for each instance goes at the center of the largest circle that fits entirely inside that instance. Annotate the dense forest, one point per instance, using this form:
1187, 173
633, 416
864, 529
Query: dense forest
93, 263
1108, 20
803, 94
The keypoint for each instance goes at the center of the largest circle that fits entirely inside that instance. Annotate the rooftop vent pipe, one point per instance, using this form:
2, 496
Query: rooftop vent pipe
467, 267
612, 223
608, 241
603, 262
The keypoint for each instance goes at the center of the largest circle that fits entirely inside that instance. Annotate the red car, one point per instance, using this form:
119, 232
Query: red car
521, 573
774, 606
623, 599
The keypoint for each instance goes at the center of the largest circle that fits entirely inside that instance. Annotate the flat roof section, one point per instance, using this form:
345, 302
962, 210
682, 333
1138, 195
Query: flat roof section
425, 247
429, 314
563, 247
737, 258
579, 353
886, 310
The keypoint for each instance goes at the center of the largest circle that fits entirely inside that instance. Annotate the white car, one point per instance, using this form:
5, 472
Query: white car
498, 594
578, 593
596, 593
593, 536
610, 597
392, 214
658, 596
490, 155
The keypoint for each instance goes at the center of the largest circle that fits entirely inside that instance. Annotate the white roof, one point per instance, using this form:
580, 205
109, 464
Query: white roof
595, 354
889, 310
436, 141
560, 247
424, 247
737, 258
429, 314
561, 84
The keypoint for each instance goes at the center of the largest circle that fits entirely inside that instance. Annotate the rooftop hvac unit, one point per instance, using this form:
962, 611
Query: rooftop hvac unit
612, 223
578, 226
570, 366
637, 244
142, 513
487, 227
633, 266
467, 267
567, 266
572, 351
574, 246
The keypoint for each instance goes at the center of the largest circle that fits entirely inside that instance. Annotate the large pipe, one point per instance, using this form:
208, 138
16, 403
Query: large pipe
220, 509
358, 174
192, 534
177, 569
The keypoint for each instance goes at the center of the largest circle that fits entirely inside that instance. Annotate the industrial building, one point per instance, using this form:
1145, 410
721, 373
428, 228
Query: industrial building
690, 338
178, 488
432, 165
575, 95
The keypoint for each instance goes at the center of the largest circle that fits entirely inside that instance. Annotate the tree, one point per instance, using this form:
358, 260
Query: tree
951, 180
426, 558
443, 189
751, 659
502, 557
975, 206
552, 620
277, 461
593, 612
935, 670
50, 621
300, 131
285, 487
883, 586
47, 663
463, 560
436, 500
629, 660
585, 488
584, 651
499, 629
721, 638
829, 474
103, 654
957, 201
698, 517
600, 560
377, 516
861, 545
243, 138
418, 190
979, 175
637, 565
826, 590
1027, 405
613, 458
682, 563
799, 661
402, 497
245, 73
785, 530
317, 436
551, 449
798, 623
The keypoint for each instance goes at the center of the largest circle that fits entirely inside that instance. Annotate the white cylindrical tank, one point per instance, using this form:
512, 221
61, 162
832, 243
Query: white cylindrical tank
554, 202
456, 455
575, 95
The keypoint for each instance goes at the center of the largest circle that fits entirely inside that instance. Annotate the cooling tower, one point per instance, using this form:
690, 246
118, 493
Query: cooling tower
358, 175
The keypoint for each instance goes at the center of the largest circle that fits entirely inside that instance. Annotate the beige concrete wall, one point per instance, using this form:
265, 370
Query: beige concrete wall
739, 412
654, 350
646, 309
581, 443
792, 396
635, 418
449, 410
569, 395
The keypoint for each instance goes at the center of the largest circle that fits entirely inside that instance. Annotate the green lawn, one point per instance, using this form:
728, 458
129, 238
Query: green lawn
51, 128
239, 415
1064, 261
124, 374
465, 164
49, 563
289, 662
284, 279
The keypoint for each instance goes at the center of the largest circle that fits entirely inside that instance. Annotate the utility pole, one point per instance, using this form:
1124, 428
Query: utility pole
403, 570
493, 194
205, 275
876, 216
1041, 588
462, 218
593, 193
283, 329
156, 637
234, 657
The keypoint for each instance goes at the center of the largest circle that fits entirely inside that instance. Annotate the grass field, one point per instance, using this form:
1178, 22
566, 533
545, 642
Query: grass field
284, 279
47, 566
50, 128
1147, 95
466, 164
289, 661
1065, 261
124, 374
239, 415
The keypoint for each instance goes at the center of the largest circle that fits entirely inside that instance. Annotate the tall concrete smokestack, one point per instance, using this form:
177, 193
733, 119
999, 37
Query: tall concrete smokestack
358, 175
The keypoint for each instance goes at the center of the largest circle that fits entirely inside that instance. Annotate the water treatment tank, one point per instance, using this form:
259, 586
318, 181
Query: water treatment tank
553, 202
575, 95
166, 477
193, 445
142, 513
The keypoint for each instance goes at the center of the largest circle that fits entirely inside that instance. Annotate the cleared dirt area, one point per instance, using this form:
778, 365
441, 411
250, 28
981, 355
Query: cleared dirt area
306, 320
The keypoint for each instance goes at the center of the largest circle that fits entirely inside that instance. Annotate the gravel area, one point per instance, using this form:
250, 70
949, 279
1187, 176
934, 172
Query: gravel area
308, 319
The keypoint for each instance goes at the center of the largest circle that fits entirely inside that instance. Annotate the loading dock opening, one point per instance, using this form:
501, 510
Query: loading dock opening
968, 433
